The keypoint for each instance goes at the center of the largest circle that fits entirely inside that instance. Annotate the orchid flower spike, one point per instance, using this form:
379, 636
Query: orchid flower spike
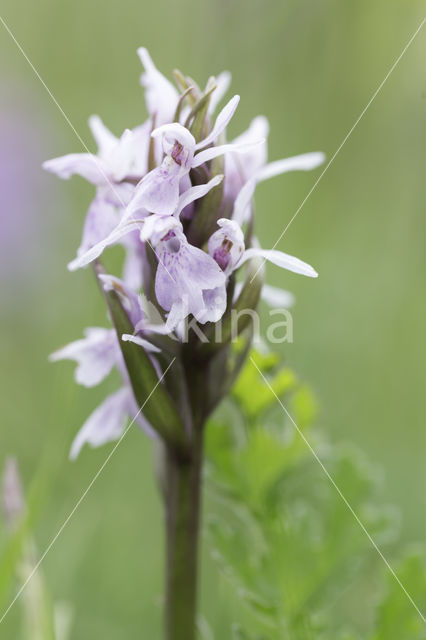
180, 220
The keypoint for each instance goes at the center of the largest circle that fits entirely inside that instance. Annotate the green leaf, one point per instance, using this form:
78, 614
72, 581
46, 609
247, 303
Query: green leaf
397, 617
150, 394
281, 534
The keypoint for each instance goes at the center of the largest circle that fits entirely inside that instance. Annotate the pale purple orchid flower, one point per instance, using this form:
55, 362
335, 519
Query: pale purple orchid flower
303, 162
162, 97
252, 169
158, 192
118, 160
240, 169
96, 355
188, 280
147, 225
227, 248
186, 275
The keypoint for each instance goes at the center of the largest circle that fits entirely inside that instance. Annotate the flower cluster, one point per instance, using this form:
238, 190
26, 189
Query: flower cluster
178, 197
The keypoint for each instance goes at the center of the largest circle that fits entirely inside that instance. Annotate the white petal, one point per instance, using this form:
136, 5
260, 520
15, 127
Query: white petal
121, 230
303, 162
156, 226
280, 259
175, 131
215, 305
193, 193
105, 424
101, 219
222, 121
96, 355
223, 81
158, 191
86, 165
178, 312
242, 201
213, 152
128, 337
160, 95
105, 140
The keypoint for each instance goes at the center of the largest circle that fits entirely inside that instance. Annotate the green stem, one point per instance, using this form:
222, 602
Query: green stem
182, 500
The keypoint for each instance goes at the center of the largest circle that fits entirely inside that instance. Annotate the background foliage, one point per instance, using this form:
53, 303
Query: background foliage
311, 67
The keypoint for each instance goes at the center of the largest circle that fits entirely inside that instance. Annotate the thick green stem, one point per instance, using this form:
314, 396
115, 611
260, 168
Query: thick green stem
182, 502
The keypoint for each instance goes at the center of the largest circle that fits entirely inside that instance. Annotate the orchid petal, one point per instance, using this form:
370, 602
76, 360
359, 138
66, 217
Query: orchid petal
280, 259
121, 230
184, 273
106, 423
101, 219
175, 131
243, 200
105, 140
156, 226
223, 81
222, 121
303, 162
214, 305
213, 152
95, 354
127, 337
194, 193
160, 95
86, 165
158, 191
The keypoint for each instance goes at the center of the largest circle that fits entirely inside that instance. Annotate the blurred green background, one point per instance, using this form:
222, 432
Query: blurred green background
310, 66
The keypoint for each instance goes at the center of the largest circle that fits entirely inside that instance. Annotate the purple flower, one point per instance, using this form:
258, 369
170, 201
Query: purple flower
160, 95
154, 196
149, 226
186, 278
252, 168
118, 164
96, 355
158, 191
227, 248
